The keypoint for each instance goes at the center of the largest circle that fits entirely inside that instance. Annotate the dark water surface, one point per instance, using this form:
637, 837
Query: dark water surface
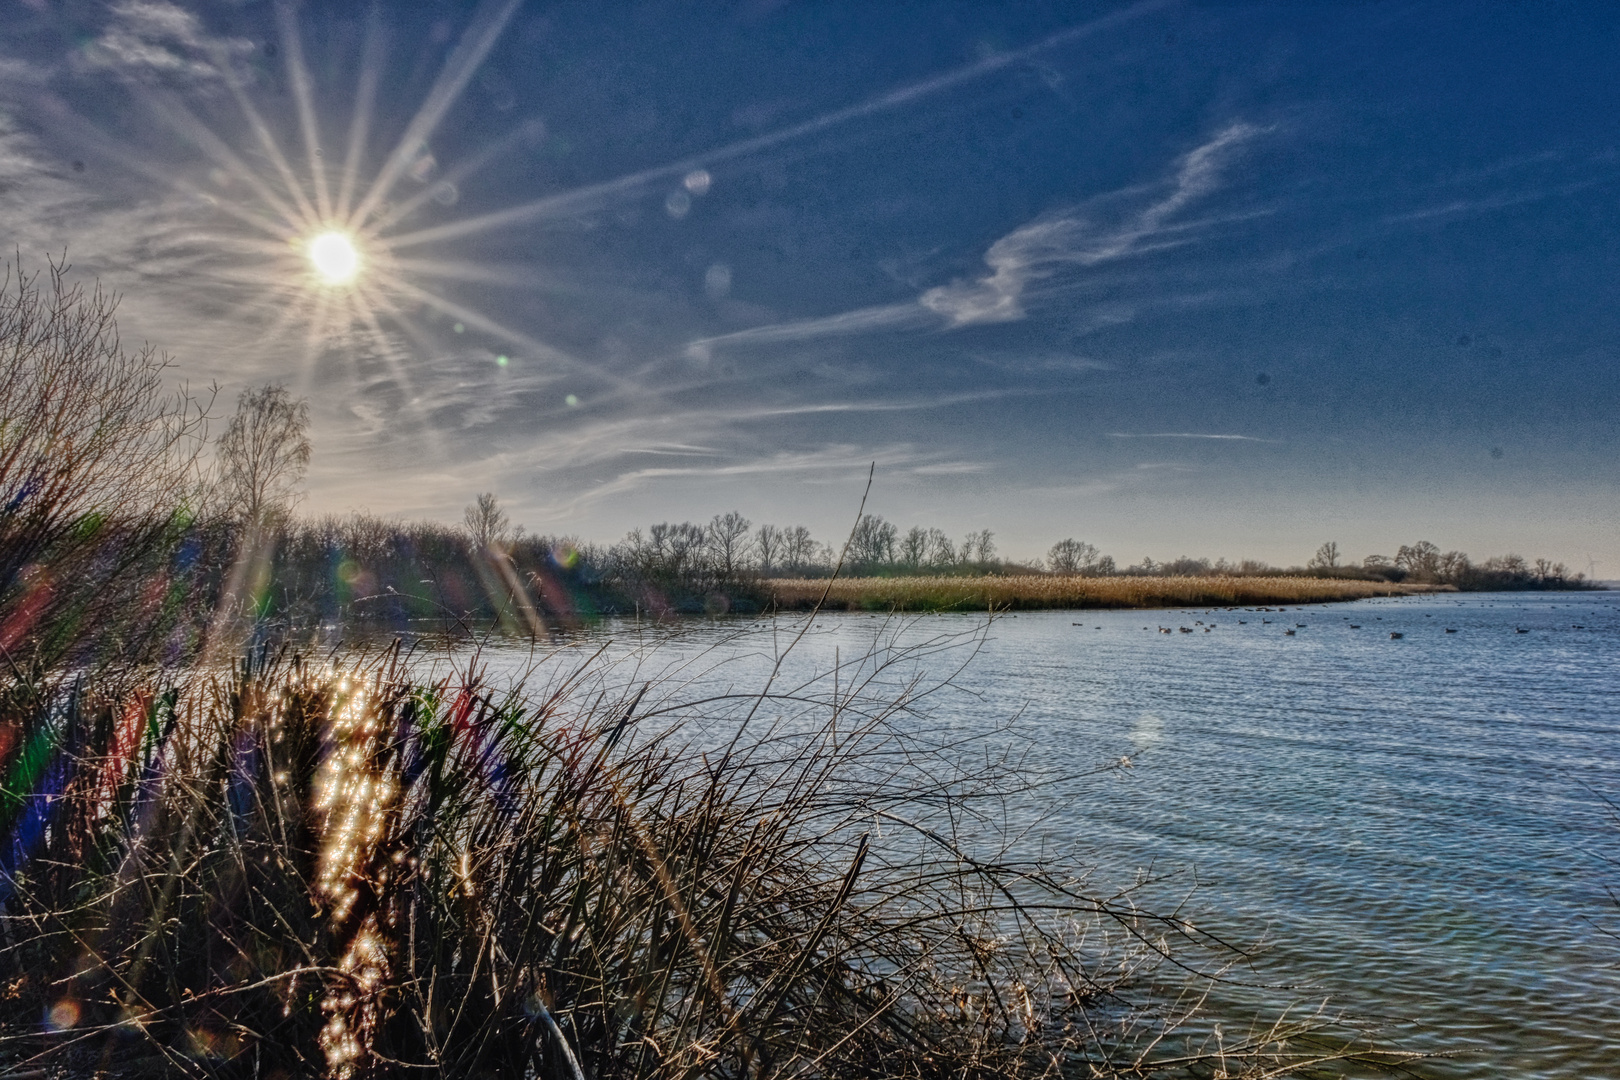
1416, 826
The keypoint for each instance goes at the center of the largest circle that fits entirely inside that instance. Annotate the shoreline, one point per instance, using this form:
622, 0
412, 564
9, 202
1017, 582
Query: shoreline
1037, 593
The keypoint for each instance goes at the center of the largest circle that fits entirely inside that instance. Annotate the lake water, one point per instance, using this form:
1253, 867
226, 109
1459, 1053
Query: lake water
1416, 826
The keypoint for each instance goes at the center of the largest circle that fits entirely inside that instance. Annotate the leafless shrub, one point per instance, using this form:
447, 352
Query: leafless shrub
99, 475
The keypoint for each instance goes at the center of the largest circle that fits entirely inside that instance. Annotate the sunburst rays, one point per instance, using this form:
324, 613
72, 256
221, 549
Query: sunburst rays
309, 235
346, 239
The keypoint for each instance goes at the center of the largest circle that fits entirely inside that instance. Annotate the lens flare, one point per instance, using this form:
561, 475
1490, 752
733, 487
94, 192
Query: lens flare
334, 257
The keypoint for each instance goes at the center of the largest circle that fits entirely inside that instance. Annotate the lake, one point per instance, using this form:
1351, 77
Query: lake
1416, 826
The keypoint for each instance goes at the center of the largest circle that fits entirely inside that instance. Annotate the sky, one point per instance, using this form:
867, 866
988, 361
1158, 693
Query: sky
1224, 280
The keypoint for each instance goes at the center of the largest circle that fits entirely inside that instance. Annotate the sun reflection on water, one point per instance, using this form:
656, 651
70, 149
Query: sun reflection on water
355, 795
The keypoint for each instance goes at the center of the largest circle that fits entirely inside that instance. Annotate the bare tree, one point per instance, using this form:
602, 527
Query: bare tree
666, 551
873, 541
1455, 567
728, 535
978, 547
1421, 560
99, 469
914, 546
486, 522
1326, 557
769, 542
941, 552
1071, 556
798, 547
263, 454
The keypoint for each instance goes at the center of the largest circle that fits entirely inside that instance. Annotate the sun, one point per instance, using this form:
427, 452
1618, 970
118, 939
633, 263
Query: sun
335, 258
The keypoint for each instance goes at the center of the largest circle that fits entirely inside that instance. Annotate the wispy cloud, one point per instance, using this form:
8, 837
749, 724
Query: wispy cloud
1045, 247
153, 40
1059, 243
673, 450
1184, 435
832, 460
951, 468
859, 321
1485, 204
592, 460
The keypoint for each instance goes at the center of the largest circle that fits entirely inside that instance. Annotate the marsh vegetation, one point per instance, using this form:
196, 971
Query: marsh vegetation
1026, 592
300, 867
297, 865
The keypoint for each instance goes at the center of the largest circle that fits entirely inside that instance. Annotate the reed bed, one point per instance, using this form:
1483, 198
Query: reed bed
1033, 592
341, 869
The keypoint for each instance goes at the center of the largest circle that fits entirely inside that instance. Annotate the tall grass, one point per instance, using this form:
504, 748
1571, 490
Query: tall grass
1041, 591
304, 868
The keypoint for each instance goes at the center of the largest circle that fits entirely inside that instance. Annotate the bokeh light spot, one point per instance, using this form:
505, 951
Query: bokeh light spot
63, 1015
717, 281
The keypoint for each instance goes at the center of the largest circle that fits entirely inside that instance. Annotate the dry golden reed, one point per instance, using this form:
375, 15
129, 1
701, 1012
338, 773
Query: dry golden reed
1031, 592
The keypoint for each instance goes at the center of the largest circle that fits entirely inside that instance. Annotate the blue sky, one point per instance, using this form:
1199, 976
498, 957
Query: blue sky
1211, 279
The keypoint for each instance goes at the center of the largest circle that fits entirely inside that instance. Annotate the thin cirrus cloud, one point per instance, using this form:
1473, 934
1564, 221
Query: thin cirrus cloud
163, 41
1039, 251
637, 454
1185, 435
828, 462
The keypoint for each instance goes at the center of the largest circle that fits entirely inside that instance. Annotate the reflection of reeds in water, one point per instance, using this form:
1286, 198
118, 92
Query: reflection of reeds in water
304, 870
1035, 592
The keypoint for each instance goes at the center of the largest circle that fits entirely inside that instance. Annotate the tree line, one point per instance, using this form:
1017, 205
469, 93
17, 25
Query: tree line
125, 530
1424, 562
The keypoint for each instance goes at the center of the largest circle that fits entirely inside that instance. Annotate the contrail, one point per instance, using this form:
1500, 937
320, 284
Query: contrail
905, 95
